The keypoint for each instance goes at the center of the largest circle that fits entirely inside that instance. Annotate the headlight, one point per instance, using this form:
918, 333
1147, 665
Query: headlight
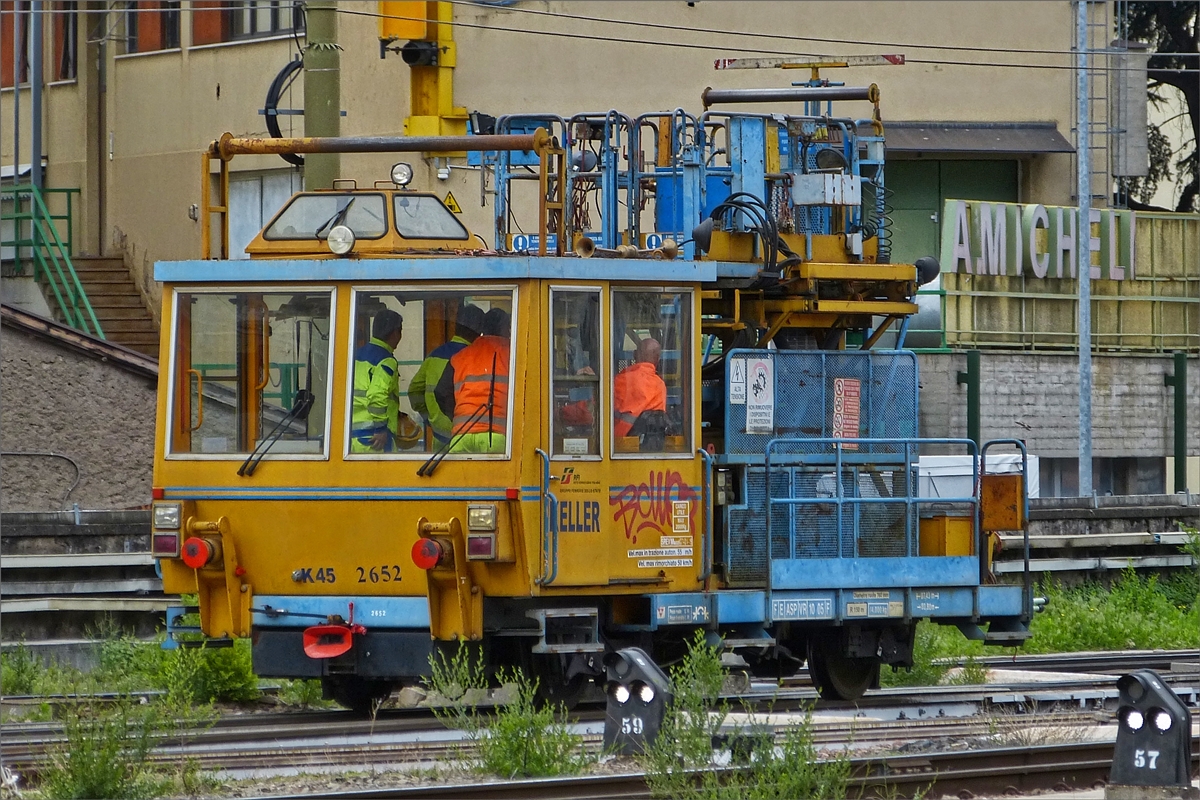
166, 516
481, 518
402, 174
341, 240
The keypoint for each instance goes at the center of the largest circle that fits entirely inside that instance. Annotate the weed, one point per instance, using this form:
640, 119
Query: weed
933, 647
679, 763
19, 670
1135, 614
521, 738
525, 739
304, 694
105, 752
972, 674
1025, 728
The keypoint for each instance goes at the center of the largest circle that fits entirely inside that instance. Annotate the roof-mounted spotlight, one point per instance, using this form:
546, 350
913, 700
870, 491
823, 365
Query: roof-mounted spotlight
402, 174
419, 53
829, 159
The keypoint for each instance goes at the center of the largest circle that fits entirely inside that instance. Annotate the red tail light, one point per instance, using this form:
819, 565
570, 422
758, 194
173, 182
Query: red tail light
197, 552
427, 553
165, 544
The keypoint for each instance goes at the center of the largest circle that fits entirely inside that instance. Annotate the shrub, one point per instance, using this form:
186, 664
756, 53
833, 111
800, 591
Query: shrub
521, 738
225, 674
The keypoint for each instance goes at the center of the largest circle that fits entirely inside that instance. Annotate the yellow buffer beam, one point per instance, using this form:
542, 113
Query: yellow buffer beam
857, 272
879, 307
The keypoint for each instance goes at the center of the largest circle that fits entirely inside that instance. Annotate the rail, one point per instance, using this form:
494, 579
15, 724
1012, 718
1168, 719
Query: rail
51, 257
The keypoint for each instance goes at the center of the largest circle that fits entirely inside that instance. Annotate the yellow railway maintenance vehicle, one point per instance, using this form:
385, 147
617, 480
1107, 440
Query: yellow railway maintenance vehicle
756, 478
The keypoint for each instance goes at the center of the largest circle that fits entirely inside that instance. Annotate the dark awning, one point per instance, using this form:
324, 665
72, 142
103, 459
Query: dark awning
975, 137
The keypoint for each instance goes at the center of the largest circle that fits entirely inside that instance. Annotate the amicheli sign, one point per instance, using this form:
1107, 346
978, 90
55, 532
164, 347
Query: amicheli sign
1037, 241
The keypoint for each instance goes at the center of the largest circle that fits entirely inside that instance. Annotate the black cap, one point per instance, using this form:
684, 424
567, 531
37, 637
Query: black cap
470, 317
385, 323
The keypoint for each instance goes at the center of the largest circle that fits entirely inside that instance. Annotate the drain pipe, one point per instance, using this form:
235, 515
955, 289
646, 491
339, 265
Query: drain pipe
971, 379
1179, 382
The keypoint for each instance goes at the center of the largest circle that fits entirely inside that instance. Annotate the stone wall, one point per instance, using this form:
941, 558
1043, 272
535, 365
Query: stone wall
1035, 397
97, 418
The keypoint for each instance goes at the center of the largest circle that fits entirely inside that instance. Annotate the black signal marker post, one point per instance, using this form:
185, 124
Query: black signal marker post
1153, 754
638, 695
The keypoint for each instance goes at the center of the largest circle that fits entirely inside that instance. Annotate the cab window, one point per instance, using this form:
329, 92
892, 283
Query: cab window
420, 216
575, 373
251, 372
312, 216
651, 384
429, 372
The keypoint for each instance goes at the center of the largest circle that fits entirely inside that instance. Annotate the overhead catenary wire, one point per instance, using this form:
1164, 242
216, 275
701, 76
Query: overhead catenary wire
721, 48
740, 34
717, 49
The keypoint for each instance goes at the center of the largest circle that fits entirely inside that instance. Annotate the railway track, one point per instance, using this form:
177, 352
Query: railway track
992, 771
259, 744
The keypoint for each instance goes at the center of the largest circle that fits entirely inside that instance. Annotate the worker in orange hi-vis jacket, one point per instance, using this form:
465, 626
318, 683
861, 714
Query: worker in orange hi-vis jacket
638, 388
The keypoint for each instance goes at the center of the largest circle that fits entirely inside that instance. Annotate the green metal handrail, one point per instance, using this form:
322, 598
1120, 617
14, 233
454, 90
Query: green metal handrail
51, 258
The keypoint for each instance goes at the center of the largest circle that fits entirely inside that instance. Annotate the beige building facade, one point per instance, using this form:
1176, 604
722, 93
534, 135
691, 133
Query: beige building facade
982, 109
154, 85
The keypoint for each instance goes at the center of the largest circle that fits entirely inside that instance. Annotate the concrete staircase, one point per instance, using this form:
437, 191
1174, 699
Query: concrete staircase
119, 306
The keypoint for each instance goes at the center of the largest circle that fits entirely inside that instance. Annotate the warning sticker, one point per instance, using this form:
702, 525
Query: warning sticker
760, 396
654, 563
847, 404
452, 204
737, 381
681, 516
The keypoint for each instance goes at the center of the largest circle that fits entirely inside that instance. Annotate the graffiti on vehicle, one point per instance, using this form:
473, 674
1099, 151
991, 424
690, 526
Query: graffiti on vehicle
650, 505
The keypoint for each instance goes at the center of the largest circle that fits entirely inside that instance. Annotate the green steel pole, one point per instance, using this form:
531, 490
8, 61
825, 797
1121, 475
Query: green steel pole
322, 91
1179, 382
971, 379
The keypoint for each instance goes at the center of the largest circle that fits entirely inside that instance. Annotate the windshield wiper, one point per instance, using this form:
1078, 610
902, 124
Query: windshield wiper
338, 218
429, 466
299, 411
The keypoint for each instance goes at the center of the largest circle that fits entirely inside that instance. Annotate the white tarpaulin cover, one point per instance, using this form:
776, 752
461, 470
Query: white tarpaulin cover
950, 476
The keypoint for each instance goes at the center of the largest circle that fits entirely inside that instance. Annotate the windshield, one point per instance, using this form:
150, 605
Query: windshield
421, 216
310, 216
241, 361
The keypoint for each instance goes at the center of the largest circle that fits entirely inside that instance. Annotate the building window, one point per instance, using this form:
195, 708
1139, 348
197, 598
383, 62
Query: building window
10, 12
66, 41
151, 25
214, 22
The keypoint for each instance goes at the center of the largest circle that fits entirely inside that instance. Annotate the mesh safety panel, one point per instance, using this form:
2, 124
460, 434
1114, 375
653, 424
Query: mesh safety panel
871, 526
804, 398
